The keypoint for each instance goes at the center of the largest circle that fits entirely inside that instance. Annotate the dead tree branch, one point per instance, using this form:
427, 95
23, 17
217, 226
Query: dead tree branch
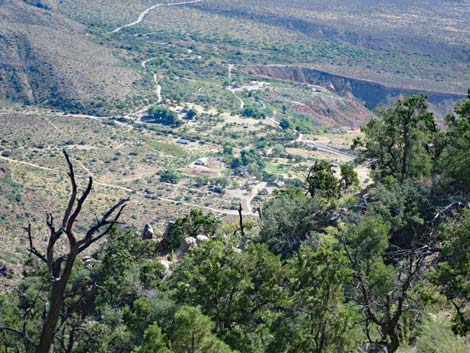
60, 266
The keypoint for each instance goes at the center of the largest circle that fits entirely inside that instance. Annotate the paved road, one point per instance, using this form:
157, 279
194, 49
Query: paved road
324, 148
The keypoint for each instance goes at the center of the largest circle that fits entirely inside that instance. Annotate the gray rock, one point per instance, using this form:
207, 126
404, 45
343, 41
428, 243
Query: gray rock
201, 239
166, 264
5, 272
148, 232
88, 261
185, 245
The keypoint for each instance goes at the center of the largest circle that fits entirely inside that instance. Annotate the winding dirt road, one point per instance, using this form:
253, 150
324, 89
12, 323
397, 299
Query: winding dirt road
126, 189
242, 104
145, 13
158, 87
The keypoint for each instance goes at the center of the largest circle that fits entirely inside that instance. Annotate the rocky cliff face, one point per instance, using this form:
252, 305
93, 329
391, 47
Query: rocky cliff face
371, 94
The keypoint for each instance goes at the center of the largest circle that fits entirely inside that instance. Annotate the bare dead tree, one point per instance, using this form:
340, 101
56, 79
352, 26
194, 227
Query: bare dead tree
242, 227
240, 216
260, 212
60, 265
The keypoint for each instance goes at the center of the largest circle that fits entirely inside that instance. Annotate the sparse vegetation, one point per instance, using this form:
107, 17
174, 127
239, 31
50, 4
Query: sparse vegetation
231, 125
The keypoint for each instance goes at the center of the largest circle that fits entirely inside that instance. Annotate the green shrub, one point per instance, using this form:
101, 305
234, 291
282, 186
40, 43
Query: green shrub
436, 336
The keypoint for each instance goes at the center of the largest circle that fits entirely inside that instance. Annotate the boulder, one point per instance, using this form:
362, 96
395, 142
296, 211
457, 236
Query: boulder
148, 232
4, 272
166, 264
185, 245
88, 261
201, 239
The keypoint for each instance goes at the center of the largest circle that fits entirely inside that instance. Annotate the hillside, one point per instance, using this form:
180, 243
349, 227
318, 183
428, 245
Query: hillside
80, 65
369, 93
234, 176
421, 44
48, 59
326, 263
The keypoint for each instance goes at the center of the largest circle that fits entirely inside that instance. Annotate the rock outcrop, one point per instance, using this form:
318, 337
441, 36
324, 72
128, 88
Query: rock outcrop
186, 244
5, 272
148, 232
201, 239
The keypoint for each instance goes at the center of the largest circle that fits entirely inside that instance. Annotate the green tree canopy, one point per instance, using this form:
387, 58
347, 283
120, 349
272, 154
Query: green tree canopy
321, 180
191, 332
401, 143
317, 318
194, 224
349, 176
170, 175
455, 160
289, 219
154, 341
238, 290
163, 115
453, 272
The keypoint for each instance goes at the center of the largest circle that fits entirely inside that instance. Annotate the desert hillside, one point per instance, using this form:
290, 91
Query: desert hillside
48, 59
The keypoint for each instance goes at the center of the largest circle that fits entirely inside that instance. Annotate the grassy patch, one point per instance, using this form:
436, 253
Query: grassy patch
168, 148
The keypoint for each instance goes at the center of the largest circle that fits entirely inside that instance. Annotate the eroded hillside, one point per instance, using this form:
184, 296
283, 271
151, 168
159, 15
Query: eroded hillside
48, 59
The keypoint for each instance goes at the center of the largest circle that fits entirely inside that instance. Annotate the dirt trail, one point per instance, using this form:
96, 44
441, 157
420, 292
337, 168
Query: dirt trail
14, 161
275, 122
246, 203
146, 11
164, 199
230, 69
126, 189
158, 88
51, 123
145, 62
242, 104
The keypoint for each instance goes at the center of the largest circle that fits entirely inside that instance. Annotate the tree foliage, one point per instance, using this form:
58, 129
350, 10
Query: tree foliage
320, 270
194, 224
349, 176
454, 163
170, 175
316, 317
163, 115
321, 180
402, 142
288, 220
453, 272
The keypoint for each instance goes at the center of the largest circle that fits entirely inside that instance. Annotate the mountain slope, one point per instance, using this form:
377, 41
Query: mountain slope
46, 58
